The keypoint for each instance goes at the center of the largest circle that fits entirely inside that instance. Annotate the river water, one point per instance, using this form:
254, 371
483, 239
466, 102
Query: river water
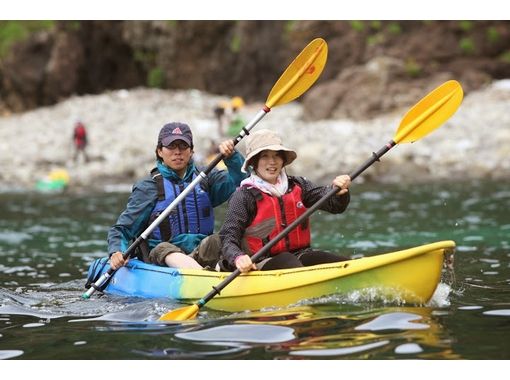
47, 242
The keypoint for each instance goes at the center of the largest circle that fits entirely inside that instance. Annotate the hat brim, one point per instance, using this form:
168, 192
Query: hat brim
170, 139
290, 155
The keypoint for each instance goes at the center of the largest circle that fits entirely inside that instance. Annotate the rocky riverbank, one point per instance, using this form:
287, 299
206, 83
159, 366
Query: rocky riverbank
123, 127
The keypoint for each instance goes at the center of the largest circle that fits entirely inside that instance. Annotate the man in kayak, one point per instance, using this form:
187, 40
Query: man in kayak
185, 239
267, 202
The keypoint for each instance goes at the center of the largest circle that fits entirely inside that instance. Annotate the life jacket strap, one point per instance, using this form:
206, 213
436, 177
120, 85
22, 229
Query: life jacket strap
164, 226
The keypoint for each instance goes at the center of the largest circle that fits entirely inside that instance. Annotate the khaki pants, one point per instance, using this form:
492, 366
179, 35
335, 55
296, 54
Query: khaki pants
207, 253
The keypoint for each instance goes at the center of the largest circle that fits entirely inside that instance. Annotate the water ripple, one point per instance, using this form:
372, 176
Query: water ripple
340, 351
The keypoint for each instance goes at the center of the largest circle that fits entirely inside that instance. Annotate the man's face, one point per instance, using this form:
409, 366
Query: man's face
176, 156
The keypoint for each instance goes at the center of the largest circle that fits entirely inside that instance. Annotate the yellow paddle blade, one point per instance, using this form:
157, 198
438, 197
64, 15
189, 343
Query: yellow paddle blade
182, 314
300, 75
430, 112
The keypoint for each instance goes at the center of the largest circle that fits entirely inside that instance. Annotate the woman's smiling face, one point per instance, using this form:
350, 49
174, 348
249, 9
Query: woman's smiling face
269, 165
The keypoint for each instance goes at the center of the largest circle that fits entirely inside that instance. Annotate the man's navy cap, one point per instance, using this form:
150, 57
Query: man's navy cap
175, 131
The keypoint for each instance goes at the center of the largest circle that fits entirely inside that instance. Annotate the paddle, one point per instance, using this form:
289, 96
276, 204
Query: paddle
296, 79
427, 115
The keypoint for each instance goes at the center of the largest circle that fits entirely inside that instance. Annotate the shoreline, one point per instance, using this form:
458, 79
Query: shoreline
123, 127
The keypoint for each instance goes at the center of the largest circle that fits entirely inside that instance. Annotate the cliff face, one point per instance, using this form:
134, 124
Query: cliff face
373, 66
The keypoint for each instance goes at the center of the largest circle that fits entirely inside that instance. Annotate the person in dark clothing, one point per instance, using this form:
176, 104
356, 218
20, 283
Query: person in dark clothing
185, 239
80, 141
267, 202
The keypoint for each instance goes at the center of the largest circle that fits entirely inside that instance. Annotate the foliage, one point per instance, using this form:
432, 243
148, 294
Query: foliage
17, 31
73, 25
375, 25
394, 28
467, 45
375, 39
235, 43
145, 57
413, 68
505, 57
493, 35
358, 26
289, 26
466, 25
156, 78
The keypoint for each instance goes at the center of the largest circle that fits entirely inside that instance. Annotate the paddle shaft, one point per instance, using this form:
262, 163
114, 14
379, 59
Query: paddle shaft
265, 250
201, 176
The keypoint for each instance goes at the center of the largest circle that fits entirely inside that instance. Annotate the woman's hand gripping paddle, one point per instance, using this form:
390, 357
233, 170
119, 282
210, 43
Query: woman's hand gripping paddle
427, 115
296, 79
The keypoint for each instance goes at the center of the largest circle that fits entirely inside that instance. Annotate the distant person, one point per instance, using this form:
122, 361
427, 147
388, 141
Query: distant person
185, 239
221, 113
80, 141
236, 122
267, 202
230, 121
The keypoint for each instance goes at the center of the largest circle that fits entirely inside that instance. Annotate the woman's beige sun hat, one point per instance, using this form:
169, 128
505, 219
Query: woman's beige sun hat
264, 139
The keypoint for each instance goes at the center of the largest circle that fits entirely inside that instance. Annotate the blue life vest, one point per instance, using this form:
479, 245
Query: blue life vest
194, 215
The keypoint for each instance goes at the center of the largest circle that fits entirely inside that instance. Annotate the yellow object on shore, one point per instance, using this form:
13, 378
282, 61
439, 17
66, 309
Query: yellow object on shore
59, 175
56, 181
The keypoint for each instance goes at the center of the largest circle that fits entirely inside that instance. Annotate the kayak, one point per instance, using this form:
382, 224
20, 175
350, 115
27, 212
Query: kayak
55, 182
409, 276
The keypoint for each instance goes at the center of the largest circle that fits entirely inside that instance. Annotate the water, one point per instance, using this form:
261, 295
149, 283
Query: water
48, 241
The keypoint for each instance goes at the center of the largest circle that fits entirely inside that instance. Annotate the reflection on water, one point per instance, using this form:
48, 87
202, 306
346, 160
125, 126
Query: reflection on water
8, 354
47, 243
375, 333
240, 333
394, 321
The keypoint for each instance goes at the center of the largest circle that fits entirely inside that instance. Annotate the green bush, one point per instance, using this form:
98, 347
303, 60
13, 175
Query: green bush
358, 26
466, 25
505, 57
493, 35
375, 39
467, 45
394, 28
147, 58
235, 43
156, 78
289, 26
375, 25
17, 31
413, 68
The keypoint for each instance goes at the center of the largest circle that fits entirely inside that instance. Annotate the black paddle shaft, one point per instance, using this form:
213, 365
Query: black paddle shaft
265, 250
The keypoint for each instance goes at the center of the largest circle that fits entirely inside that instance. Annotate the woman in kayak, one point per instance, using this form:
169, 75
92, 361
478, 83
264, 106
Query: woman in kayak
185, 238
267, 202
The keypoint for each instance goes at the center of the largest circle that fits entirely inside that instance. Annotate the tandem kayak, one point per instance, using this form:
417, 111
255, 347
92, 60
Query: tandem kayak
409, 275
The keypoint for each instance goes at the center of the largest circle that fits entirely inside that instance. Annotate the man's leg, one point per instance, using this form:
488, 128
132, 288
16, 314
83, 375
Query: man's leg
208, 251
172, 256
181, 260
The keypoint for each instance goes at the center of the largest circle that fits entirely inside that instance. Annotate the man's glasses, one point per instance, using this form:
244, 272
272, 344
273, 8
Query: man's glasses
181, 145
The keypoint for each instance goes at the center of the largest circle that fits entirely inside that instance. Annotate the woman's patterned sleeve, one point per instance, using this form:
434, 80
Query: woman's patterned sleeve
312, 193
240, 213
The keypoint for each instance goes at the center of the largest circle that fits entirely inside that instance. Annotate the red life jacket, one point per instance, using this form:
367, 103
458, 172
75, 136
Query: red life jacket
80, 135
79, 132
282, 211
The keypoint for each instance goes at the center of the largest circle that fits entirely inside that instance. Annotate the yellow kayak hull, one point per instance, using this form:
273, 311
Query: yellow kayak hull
410, 275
